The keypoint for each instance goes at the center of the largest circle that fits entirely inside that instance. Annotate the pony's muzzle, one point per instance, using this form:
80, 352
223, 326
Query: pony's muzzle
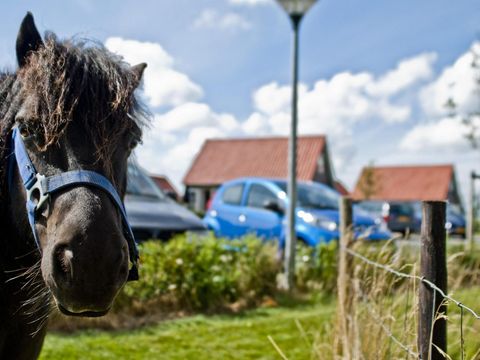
85, 293
86, 257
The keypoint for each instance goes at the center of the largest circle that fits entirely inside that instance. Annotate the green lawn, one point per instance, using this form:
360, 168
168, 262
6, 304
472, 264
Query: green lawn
245, 336
201, 337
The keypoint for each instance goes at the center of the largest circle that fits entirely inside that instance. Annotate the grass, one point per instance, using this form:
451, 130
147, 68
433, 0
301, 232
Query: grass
242, 336
301, 331
298, 330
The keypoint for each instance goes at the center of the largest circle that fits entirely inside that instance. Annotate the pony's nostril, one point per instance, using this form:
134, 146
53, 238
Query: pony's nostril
62, 261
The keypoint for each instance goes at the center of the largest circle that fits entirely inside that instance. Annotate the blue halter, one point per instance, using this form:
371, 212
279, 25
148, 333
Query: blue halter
39, 187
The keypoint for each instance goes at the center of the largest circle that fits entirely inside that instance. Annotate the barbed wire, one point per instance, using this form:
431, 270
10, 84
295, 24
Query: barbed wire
384, 327
414, 277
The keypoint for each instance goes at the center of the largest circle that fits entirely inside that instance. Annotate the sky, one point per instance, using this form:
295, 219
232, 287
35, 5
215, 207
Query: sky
374, 75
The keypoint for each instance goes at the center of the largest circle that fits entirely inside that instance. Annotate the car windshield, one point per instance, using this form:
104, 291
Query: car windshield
401, 209
371, 206
140, 184
313, 197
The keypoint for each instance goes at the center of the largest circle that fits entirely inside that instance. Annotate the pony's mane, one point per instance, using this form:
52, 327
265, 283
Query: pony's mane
76, 80
7, 106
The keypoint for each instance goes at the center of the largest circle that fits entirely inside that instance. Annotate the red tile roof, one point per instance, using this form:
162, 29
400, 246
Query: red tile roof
341, 188
221, 160
164, 183
407, 183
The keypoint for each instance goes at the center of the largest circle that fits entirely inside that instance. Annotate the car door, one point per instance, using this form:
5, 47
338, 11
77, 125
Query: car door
229, 211
260, 221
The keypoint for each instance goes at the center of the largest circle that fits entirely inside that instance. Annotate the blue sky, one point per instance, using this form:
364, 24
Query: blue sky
374, 73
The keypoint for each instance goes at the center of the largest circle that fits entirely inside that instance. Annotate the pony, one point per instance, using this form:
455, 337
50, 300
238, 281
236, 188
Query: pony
71, 106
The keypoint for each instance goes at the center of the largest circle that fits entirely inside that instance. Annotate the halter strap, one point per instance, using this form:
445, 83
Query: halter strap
39, 187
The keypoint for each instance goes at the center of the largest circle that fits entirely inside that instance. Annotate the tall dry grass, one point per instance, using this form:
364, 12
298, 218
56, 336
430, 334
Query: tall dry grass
382, 323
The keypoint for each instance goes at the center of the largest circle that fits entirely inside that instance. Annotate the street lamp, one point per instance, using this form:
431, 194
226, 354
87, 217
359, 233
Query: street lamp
295, 9
471, 213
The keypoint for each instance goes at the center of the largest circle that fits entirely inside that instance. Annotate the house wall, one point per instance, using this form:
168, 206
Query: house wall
198, 197
324, 173
453, 194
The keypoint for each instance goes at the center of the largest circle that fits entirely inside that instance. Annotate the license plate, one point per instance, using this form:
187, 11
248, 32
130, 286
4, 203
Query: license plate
403, 218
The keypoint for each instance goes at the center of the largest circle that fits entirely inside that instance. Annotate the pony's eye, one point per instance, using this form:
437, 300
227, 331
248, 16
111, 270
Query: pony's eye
133, 143
134, 140
24, 131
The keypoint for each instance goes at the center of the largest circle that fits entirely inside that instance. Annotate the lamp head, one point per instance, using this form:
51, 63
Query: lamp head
296, 8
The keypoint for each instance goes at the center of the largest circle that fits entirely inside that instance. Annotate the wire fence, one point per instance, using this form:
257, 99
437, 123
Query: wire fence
436, 290
433, 299
414, 277
407, 348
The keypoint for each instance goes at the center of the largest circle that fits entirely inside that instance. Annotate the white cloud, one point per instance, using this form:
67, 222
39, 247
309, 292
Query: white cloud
445, 134
162, 84
250, 2
441, 138
407, 73
346, 98
176, 136
457, 82
338, 107
273, 98
213, 19
333, 107
186, 117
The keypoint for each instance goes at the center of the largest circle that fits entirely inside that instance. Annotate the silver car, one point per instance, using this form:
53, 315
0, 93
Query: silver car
152, 214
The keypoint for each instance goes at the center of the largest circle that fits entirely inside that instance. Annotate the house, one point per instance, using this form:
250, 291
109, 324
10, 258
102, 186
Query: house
166, 186
341, 188
220, 160
408, 183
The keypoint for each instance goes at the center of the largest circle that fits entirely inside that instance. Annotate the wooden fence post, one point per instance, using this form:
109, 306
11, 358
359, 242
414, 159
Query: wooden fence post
344, 286
433, 267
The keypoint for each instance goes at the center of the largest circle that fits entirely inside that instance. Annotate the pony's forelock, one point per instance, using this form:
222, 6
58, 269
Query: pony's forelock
82, 81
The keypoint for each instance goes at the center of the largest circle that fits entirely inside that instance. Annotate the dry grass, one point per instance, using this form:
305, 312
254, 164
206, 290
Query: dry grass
382, 322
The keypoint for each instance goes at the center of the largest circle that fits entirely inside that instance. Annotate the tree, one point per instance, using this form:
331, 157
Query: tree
470, 119
368, 183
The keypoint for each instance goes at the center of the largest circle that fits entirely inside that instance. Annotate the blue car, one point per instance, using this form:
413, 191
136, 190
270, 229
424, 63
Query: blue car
257, 206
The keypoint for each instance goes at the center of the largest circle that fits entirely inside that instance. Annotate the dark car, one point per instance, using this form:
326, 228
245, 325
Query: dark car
152, 214
456, 223
399, 216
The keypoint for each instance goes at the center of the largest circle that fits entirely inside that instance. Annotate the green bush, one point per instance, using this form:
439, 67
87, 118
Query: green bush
193, 273
316, 268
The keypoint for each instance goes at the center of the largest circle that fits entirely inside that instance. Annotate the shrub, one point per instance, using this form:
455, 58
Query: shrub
193, 273
316, 268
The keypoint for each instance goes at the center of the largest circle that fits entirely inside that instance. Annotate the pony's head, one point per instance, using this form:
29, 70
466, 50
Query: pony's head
75, 108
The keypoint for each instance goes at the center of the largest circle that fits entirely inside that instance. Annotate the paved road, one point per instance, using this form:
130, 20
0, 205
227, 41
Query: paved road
414, 240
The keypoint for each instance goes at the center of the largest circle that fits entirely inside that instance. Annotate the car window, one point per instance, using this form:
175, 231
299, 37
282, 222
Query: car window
314, 197
140, 184
233, 194
258, 195
401, 209
371, 206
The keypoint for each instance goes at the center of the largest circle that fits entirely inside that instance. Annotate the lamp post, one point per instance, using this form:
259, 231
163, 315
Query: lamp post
295, 9
471, 213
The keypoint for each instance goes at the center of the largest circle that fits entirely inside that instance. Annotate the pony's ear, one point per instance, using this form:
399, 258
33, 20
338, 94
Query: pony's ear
28, 39
138, 71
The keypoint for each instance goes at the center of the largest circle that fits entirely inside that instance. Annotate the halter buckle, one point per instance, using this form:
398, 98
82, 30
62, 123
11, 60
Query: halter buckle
36, 192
